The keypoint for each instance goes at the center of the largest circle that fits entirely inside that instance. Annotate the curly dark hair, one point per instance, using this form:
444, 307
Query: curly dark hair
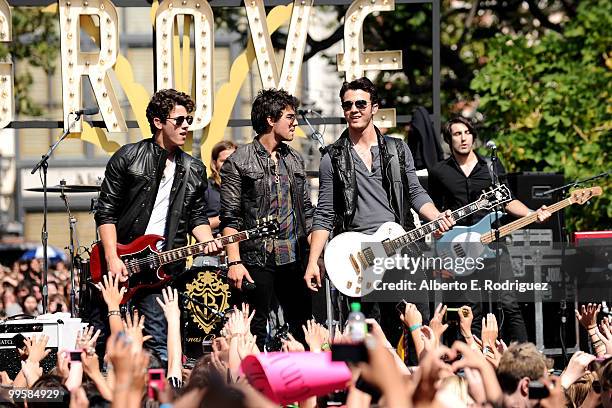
270, 103
447, 134
162, 103
363, 84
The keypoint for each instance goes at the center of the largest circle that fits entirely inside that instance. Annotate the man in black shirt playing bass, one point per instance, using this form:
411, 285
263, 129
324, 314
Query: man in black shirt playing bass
459, 180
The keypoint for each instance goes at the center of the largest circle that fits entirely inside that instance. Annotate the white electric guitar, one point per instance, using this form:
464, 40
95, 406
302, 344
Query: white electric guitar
351, 257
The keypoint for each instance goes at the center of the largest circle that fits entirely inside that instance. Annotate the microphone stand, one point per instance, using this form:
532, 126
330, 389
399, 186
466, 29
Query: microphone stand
43, 163
494, 160
318, 137
73, 256
314, 133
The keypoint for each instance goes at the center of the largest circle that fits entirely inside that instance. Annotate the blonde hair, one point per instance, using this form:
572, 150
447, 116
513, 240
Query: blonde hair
519, 361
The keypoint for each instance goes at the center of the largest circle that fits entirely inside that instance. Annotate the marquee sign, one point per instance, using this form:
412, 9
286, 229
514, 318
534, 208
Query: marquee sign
173, 60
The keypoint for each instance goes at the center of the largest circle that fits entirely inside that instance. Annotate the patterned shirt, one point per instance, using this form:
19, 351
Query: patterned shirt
283, 245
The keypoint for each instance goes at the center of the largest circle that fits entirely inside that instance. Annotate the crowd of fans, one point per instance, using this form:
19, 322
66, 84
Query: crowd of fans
21, 288
474, 372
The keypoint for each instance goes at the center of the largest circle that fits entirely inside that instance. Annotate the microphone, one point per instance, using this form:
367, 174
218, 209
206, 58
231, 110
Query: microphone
491, 145
86, 111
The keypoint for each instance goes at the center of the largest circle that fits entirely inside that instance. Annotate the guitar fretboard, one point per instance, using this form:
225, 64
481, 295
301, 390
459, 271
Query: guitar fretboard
432, 226
177, 254
489, 237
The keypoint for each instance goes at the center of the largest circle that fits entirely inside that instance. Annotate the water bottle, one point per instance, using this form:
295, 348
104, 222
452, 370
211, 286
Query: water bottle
357, 327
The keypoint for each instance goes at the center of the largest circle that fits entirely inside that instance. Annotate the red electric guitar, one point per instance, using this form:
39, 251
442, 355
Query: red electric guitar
145, 263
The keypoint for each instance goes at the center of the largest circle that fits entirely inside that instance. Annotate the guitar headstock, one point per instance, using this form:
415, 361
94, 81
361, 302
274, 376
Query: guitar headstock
264, 227
494, 197
583, 195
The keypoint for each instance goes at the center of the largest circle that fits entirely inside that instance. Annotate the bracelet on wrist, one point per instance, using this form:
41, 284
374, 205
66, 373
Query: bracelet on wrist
114, 313
232, 263
325, 347
415, 327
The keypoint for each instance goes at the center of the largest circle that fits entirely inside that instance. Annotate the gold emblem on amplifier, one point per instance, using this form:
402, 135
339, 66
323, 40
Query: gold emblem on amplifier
209, 289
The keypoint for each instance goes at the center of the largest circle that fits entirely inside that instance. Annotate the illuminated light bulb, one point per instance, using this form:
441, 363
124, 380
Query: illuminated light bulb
110, 110
101, 6
184, 3
380, 60
69, 36
394, 59
85, 4
367, 60
104, 94
86, 63
67, 4
101, 62
383, 117
198, 5
170, 5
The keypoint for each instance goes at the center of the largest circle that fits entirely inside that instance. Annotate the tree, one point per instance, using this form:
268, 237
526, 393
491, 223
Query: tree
35, 42
548, 103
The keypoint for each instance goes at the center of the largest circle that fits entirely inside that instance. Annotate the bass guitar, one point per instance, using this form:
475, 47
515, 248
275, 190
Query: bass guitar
354, 260
144, 262
472, 242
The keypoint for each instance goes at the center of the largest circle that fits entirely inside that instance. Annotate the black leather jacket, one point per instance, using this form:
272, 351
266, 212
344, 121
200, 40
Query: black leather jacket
345, 185
130, 186
245, 196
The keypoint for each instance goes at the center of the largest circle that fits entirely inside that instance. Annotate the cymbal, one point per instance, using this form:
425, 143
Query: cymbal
67, 188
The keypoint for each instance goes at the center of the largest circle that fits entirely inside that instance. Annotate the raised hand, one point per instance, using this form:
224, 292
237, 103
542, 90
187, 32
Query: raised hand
412, 317
170, 304
489, 330
465, 323
436, 321
35, 347
576, 368
605, 334
245, 346
110, 291
587, 317
132, 327
315, 335
235, 324
86, 339
291, 344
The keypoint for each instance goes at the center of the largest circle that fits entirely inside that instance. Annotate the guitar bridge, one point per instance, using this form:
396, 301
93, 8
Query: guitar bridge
354, 264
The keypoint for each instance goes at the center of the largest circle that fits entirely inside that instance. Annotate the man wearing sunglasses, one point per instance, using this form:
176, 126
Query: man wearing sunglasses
355, 194
153, 187
266, 178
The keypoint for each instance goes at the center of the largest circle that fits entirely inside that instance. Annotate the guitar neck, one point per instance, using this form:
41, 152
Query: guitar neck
178, 254
418, 233
489, 237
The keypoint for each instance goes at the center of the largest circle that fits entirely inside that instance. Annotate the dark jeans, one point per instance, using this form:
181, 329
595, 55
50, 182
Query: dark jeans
287, 283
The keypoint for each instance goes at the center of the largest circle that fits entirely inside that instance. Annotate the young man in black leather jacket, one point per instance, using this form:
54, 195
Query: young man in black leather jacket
261, 179
153, 187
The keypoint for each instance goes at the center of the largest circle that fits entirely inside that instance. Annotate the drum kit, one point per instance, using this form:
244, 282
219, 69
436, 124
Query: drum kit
204, 289
76, 261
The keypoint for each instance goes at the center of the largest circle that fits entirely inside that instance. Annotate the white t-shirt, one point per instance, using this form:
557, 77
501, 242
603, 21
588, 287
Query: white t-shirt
157, 222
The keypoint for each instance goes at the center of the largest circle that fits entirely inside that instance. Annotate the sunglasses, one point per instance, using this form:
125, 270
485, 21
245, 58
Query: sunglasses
179, 120
360, 104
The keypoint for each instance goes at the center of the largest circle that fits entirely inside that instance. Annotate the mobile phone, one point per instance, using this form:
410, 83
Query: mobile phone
350, 353
156, 382
452, 314
74, 355
538, 391
207, 346
401, 306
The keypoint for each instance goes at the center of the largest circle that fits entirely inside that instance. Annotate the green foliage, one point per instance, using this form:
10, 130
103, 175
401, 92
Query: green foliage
549, 103
36, 44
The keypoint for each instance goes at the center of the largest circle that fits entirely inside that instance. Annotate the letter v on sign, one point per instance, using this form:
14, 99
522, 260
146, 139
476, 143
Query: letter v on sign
296, 42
